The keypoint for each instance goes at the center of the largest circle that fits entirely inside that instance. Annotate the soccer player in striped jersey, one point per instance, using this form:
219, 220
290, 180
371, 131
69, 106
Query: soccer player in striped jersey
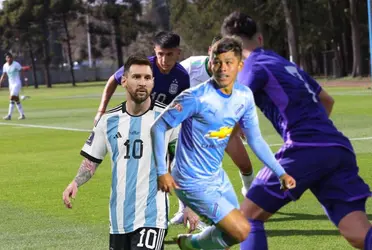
208, 113
138, 211
199, 70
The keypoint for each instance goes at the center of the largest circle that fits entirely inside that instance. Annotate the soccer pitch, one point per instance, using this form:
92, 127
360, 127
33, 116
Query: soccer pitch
40, 156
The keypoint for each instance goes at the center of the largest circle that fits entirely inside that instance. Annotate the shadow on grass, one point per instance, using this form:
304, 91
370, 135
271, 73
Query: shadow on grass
294, 232
301, 216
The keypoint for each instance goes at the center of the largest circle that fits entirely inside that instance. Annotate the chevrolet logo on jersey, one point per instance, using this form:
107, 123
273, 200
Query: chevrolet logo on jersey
220, 134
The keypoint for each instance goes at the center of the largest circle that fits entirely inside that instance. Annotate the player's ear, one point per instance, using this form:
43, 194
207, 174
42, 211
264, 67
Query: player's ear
124, 80
241, 65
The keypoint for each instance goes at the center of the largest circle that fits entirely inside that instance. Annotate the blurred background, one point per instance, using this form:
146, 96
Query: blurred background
69, 41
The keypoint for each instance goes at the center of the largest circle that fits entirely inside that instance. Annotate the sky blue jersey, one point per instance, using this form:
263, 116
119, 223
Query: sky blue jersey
208, 117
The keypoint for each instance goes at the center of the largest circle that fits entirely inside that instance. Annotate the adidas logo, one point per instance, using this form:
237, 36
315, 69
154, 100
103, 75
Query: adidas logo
118, 135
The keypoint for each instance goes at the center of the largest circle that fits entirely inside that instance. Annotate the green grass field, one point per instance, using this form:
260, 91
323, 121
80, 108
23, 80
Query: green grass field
37, 163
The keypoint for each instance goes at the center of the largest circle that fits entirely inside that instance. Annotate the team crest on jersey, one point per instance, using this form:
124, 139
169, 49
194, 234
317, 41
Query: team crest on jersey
90, 139
173, 87
177, 106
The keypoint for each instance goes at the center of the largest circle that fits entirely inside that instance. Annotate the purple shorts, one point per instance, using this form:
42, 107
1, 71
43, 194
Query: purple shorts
331, 173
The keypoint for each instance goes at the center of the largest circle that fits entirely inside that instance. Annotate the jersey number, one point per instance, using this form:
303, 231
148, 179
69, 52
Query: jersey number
145, 240
137, 149
293, 71
160, 98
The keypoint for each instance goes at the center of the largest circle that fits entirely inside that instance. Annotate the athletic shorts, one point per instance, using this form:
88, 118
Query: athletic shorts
144, 238
14, 89
330, 173
211, 202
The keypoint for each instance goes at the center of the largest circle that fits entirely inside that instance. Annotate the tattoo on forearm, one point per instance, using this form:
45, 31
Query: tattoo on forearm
86, 171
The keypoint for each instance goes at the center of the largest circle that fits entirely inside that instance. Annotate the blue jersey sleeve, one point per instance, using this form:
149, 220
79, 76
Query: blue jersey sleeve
250, 126
118, 74
255, 77
183, 106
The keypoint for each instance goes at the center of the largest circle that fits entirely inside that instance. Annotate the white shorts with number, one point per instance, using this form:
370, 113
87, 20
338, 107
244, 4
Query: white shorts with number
14, 89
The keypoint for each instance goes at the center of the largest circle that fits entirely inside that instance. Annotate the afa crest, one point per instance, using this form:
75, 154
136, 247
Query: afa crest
173, 87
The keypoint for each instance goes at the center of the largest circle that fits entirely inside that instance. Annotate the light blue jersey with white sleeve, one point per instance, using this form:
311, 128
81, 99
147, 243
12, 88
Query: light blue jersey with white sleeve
208, 117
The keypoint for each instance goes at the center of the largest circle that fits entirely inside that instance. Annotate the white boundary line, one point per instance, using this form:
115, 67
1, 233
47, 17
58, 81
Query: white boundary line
89, 130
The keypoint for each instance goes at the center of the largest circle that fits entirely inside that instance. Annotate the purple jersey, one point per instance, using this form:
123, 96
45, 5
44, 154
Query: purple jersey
288, 97
166, 86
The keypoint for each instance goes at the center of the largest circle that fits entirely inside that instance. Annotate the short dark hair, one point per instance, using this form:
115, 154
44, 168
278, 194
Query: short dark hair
228, 43
167, 40
8, 54
137, 59
216, 39
239, 24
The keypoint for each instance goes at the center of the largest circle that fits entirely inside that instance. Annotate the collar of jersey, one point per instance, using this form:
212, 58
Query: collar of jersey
124, 108
219, 91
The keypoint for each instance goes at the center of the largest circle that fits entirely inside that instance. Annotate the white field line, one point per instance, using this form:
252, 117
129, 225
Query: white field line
88, 130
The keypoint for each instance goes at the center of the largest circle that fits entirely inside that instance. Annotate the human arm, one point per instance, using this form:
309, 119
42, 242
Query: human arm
2, 78
108, 91
180, 109
250, 126
94, 150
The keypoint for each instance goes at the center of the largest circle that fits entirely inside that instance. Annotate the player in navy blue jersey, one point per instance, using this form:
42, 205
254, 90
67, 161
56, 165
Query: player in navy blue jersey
169, 76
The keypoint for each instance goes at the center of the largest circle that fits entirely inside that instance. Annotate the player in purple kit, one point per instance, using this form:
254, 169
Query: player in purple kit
314, 152
170, 77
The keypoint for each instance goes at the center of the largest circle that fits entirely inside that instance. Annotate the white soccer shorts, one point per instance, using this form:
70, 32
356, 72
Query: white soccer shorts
15, 89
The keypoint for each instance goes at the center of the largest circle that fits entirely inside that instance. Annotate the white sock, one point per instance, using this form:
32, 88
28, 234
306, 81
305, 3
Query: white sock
20, 109
11, 108
181, 206
211, 238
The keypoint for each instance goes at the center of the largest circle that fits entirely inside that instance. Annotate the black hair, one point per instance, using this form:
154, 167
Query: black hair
137, 59
167, 40
216, 39
226, 44
8, 54
239, 24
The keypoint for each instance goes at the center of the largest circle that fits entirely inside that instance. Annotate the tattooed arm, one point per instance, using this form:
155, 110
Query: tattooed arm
86, 171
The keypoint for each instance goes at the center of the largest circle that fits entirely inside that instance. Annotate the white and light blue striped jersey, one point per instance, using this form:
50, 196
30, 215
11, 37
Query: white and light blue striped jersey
208, 117
135, 200
197, 67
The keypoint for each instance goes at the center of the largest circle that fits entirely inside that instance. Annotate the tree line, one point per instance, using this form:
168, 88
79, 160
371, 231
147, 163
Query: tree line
325, 37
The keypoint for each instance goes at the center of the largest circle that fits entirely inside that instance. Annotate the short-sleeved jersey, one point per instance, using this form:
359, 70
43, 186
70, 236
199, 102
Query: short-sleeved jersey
197, 68
208, 117
166, 86
135, 200
12, 71
288, 97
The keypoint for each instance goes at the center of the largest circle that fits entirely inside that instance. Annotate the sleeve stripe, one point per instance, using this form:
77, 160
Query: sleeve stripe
89, 157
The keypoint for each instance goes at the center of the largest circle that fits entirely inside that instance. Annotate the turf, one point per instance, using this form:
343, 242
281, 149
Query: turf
37, 163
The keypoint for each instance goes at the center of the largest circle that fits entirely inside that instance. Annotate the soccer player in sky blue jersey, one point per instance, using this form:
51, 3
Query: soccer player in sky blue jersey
138, 211
170, 77
314, 152
208, 113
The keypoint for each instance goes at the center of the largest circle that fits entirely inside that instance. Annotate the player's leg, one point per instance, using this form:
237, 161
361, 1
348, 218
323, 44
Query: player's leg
178, 216
218, 205
343, 195
11, 105
15, 95
148, 238
119, 241
265, 197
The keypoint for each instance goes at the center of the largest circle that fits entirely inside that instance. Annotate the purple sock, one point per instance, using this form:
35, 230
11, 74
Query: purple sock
368, 240
257, 237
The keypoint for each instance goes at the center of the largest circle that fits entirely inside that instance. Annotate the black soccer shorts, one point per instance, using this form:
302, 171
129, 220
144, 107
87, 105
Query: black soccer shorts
144, 238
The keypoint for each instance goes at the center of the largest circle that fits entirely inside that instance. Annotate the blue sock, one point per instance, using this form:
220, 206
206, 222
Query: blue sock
257, 237
368, 240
